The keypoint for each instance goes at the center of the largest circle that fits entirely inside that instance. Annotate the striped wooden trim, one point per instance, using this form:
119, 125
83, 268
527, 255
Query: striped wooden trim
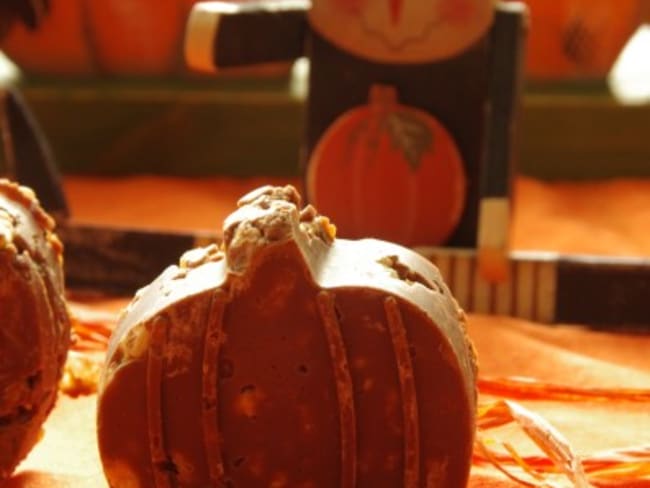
214, 337
464, 273
547, 287
530, 292
408, 392
524, 296
155, 370
503, 296
483, 295
546, 290
443, 261
102, 258
344, 388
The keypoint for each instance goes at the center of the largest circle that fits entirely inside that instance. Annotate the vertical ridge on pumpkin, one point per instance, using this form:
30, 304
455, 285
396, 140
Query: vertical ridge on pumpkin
210, 390
155, 370
344, 388
407, 389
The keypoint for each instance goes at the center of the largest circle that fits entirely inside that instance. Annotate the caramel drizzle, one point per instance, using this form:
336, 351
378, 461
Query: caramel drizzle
155, 369
408, 392
344, 388
214, 338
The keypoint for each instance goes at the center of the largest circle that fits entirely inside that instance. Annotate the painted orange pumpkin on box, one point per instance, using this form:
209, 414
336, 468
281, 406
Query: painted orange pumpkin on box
391, 170
410, 104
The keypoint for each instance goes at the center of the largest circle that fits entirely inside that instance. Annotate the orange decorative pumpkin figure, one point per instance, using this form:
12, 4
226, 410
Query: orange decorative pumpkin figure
413, 162
116, 37
396, 170
579, 38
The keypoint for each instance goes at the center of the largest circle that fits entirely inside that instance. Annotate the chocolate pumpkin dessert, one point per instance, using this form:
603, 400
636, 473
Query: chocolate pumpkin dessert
288, 357
34, 323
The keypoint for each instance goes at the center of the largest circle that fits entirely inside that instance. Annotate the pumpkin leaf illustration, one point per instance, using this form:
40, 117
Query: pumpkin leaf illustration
409, 135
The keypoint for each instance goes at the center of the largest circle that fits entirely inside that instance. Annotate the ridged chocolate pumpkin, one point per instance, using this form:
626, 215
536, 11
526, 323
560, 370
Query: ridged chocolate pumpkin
34, 324
289, 358
388, 171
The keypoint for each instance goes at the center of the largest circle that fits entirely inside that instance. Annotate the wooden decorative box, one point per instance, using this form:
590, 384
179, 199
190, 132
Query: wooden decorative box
230, 127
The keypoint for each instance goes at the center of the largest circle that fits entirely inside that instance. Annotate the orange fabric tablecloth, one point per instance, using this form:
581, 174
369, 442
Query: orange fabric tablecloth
604, 218
609, 218
67, 456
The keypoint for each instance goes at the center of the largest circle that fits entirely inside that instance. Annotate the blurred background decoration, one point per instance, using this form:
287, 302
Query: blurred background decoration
87, 37
629, 78
572, 43
118, 66
569, 39
572, 39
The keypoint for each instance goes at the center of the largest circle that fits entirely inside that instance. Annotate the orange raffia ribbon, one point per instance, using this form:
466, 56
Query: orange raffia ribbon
629, 468
91, 331
549, 440
523, 388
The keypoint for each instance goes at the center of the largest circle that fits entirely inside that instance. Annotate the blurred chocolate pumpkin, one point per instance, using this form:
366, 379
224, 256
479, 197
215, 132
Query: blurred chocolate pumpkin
34, 322
579, 38
120, 37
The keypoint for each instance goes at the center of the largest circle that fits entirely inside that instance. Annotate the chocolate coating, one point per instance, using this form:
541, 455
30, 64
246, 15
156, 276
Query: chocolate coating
289, 358
34, 323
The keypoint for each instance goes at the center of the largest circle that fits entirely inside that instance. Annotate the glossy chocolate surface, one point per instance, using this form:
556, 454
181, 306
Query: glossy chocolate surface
289, 358
34, 324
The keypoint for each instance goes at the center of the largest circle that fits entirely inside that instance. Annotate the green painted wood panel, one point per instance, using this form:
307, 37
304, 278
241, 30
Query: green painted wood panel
243, 127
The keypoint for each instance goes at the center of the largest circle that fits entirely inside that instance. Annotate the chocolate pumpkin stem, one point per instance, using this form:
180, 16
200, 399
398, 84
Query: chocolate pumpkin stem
382, 95
267, 215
